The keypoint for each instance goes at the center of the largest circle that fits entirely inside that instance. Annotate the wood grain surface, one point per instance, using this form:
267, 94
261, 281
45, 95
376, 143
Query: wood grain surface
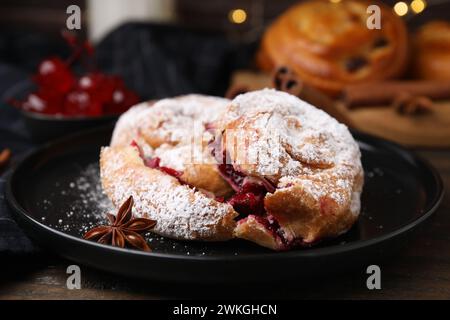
420, 271
430, 130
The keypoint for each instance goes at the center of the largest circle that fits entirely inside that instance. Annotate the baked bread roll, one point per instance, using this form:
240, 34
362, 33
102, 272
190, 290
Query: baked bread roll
175, 131
329, 44
432, 51
292, 174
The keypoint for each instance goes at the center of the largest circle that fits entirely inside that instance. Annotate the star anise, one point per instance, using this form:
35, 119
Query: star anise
123, 230
408, 104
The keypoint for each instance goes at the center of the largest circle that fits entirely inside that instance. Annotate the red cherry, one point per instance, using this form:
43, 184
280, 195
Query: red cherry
60, 92
43, 101
54, 74
116, 96
80, 102
91, 81
130, 99
122, 100
106, 89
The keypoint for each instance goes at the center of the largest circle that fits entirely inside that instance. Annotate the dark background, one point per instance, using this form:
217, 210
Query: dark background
204, 48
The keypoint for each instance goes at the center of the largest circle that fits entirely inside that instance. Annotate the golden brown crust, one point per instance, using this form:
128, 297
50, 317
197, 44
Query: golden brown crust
311, 160
302, 216
181, 212
252, 230
432, 51
165, 129
329, 45
206, 177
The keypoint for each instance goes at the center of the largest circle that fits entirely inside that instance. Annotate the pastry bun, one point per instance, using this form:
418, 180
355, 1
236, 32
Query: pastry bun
432, 51
295, 177
329, 44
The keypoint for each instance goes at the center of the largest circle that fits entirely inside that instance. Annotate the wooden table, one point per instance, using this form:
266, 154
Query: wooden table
421, 271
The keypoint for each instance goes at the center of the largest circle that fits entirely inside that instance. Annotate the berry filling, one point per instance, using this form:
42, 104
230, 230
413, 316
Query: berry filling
247, 203
154, 163
235, 179
272, 225
248, 200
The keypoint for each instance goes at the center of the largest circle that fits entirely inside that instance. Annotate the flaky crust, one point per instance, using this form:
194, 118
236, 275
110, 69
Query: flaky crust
329, 44
311, 160
175, 130
180, 212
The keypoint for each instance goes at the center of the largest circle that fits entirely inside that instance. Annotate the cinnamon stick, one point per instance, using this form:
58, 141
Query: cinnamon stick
382, 93
5, 155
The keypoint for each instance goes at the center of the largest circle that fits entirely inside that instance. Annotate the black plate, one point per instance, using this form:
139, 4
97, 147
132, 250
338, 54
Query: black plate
56, 197
45, 127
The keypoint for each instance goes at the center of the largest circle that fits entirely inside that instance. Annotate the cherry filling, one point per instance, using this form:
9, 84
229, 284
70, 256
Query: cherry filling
154, 163
272, 225
234, 178
249, 191
247, 203
248, 199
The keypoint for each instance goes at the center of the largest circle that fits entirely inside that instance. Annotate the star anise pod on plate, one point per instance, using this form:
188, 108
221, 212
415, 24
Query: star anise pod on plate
124, 230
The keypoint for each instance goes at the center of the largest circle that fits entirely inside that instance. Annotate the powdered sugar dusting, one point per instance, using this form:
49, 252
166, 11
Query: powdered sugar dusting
171, 129
297, 144
293, 144
180, 212
90, 190
85, 201
168, 120
304, 133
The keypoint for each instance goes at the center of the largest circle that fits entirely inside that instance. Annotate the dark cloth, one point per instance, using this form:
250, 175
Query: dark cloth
13, 135
161, 61
155, 61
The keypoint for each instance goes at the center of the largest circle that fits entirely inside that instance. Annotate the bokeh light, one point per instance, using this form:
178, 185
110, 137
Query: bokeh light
401, 8
237, 16
417, 6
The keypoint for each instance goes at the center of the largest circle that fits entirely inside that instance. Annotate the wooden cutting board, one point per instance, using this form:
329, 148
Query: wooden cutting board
430, 130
